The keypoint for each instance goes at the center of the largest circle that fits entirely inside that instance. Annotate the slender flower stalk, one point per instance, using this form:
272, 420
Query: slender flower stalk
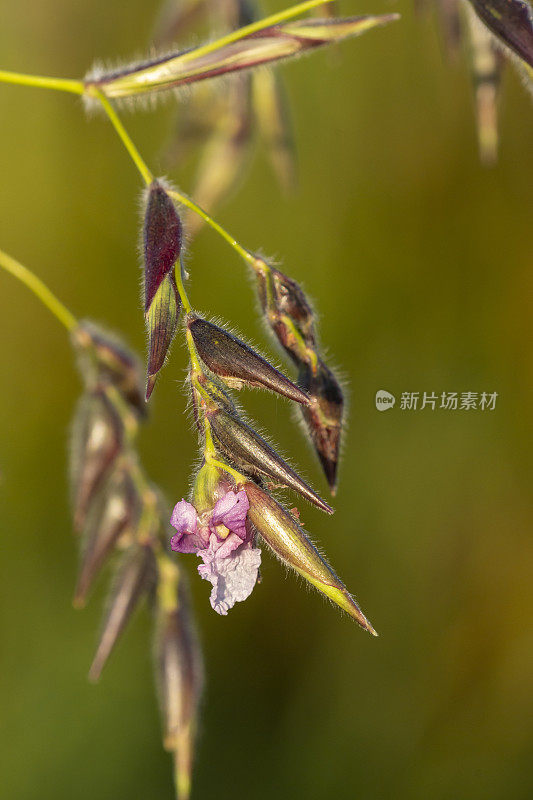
42, 82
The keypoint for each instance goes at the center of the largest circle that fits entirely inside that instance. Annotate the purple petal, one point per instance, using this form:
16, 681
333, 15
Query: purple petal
189, 538
231, 511
184, 517
233, 577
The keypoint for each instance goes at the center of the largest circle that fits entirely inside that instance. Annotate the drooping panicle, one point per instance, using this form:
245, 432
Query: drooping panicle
287, 539
263, 46
237, 363
324, 416
112, 519
135, 577
162, 236
179, 671
251, 452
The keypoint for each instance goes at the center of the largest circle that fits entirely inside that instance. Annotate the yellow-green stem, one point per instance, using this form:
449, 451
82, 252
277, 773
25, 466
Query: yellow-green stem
239, 477
39, 289
124, 135
147, 176
187, 201
42, 82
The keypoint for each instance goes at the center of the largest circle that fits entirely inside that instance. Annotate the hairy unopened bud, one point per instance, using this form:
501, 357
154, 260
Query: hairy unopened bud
233, 360
108, 360
272, 114
96, 441
253, 453
511, 21
161, 322
162, 249
289, 542
264, 45
281, 294
323, 417
287, 312
136, 576
112, 515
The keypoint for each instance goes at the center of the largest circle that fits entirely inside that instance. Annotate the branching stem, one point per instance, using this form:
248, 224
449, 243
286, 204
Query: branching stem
42, 82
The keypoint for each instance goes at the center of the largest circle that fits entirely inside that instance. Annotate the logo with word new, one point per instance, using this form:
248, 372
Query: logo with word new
384, 400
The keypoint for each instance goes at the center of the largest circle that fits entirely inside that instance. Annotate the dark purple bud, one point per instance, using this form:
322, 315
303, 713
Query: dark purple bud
287, 539
232, 359
108, 360
136, 576
511, 21
112, 515
324, 416
162, 240
162, 249
97, 435
251, 452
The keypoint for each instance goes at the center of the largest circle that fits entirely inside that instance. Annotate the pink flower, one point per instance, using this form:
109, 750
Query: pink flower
223, 542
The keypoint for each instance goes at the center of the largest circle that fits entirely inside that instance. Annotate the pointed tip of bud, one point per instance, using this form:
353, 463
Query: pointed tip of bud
330, 469
233, 360
150, 384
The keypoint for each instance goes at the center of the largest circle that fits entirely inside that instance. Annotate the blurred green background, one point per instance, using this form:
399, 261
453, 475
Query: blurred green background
420, 263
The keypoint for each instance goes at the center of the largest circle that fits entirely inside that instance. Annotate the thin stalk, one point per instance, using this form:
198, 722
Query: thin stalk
239, 477
124, 136
42, 82
187, 201
148, 178
39, 289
